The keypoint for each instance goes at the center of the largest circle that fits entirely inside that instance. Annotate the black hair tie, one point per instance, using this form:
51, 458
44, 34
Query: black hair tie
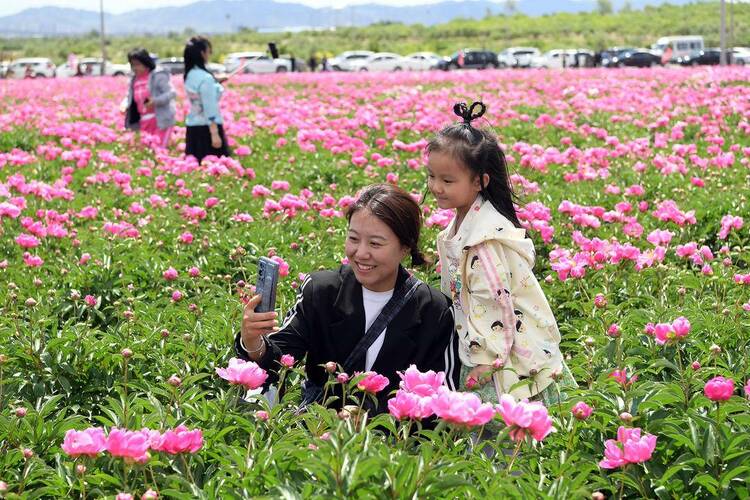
467, 112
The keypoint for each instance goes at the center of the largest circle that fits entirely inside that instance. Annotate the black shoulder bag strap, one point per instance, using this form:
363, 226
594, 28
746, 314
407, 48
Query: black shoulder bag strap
312, 393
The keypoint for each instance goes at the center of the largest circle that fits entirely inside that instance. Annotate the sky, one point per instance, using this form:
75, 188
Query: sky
118, 6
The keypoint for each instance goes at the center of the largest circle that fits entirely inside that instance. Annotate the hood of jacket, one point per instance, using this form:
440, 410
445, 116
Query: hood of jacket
486, 223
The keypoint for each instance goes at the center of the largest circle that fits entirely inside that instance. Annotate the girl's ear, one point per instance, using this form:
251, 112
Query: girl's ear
485, 181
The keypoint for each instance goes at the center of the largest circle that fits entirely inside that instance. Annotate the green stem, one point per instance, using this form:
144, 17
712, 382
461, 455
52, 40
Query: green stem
187, 469
125, 393
513, 458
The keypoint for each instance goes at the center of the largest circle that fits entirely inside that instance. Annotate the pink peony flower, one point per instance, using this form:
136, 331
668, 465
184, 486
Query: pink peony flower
176, 296
409, 405
186, 238
245, 373
149, 494
261, 415
629, 448
124, 496
180, 440
90, 300
719, 389
170, 274
372, 383
194, 272
461, 408
27, 241
581, 410
287, 360
747, 388
89, 442
131, 445
525, 418
622, 378
419, 383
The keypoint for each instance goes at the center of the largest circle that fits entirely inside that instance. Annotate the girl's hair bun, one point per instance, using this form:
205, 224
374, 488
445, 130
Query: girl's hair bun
467, 112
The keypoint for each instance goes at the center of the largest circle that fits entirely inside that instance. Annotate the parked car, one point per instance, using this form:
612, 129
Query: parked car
609, 58
31, 67
639, 58
518, 57
564, 58
4, 68
92, 66
422, 61
175, 65
470, 59
708, 57
380, 61
255, 62
741, 56
344, 61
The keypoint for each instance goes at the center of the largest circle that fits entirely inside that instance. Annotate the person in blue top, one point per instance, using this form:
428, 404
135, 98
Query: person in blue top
205, 130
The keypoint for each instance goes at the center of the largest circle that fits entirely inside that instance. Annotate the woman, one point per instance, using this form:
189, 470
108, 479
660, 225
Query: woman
333, 317
150, 105
205, 130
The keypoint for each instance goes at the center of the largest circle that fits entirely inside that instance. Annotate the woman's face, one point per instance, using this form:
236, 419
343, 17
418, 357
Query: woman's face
206, 54
138, 67
374, 251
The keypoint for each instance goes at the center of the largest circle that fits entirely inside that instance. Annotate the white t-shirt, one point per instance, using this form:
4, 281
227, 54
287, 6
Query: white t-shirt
374, 302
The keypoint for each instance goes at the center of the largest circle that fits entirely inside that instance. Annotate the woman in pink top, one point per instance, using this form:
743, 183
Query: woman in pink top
151, 97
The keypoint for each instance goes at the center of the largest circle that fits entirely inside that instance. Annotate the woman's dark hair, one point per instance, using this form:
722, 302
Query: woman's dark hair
142, 56
193, 54
480, 152
398, 210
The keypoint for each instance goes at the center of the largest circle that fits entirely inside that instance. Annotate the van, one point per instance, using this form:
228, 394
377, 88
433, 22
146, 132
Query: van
678, 46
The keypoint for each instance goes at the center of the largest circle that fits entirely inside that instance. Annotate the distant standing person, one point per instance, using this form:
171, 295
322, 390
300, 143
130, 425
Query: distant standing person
205, 129
312, 62
150, 105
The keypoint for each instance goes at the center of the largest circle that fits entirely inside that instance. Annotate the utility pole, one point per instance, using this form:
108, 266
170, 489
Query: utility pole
723, 34
101, 33
731, 30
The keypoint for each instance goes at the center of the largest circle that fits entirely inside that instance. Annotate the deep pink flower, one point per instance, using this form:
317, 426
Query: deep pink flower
524, 418
170, 274
89, 442
372, 382
622, 378
581, 410
90, 300
461, 408
245, 373
410, 405
176, 296
747, 388
180, 440
131, 445
719, 389
419, 383
27, 241
261, 415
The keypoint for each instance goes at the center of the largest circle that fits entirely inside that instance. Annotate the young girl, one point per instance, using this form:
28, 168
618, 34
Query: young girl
502, 316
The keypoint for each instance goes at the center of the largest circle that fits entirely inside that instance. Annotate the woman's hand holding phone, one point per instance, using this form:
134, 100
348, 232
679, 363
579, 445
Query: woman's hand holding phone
255, 325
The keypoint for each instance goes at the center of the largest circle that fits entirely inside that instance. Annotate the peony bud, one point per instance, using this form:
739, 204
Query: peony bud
330, 367
174, 381
126, 353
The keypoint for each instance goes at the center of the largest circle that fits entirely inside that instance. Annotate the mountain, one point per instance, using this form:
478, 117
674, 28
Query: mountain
221, 16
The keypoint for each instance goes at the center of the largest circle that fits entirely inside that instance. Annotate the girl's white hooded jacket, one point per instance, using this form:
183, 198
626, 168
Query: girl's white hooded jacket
507, 316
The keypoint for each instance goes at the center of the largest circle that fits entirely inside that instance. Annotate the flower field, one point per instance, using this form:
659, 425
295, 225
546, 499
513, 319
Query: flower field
123, 272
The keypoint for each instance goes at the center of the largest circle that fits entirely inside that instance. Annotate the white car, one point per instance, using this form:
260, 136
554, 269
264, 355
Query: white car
741, 56
381, 61
346, 60
255, 62
92, 66
31, 67
422, 61
563, 58
518, 57
4, 68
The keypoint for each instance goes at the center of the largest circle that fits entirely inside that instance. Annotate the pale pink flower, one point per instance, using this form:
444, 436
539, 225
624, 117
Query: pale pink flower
131, 445
89, 442
245, 373
581, 410
409, 405
461, 408
524, 418
421, 383
287, 360
180, 440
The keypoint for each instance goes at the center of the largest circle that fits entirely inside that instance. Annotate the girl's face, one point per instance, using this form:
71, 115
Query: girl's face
452, 184
206, 54
374, 251
138, 67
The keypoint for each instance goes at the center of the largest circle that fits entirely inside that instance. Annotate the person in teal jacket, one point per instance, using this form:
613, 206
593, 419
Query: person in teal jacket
205, 129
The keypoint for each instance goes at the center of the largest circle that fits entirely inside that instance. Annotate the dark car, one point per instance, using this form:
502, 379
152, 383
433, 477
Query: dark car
610, 57
638, 59
708, 57
472, 59
175, 65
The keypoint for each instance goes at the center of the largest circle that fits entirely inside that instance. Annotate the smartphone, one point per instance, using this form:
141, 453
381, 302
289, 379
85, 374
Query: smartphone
268, 278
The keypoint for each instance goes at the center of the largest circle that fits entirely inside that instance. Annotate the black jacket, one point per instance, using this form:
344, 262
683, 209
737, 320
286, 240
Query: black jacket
328, 319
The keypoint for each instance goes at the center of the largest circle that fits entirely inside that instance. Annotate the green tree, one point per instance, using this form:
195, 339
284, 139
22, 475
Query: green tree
604, 6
